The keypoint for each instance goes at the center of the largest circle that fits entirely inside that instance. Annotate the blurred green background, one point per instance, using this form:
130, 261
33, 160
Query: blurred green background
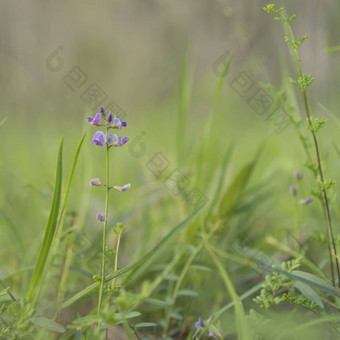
138, 53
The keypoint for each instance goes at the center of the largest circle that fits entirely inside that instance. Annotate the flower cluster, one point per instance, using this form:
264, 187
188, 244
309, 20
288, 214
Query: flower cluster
109, 122
106, 139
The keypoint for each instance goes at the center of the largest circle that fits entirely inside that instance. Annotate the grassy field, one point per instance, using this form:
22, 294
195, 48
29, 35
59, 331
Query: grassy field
218, 215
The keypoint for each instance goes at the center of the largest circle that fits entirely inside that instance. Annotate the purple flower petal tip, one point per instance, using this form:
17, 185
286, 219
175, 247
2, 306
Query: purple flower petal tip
95, 182
306, 201
125, 187
100, 217
109, 117
292, 190
125, 140
200, 323
298, 175
124, 124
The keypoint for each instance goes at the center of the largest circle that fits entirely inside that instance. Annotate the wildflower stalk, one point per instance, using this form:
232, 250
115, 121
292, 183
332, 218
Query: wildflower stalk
304, 81
320, 171
105, 221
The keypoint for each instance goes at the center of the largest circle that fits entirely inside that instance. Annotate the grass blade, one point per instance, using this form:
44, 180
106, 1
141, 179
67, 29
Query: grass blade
69, 182
243, 330
45, 252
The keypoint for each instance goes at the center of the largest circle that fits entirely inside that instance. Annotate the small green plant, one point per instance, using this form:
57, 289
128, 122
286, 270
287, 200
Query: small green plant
277, 284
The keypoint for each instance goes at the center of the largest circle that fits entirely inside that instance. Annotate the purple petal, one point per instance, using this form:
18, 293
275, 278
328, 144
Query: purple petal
89, 119
292, 189
306, 201
212, 334
125, 187
96, 119
116, 120
110, 138
119, 140
200, 323
99, 139
100, 217
125, 140
124, 124
94, 182
109, 117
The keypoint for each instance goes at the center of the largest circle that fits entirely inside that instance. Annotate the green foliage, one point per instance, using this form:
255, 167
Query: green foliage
316, 124
305, 80
16, 321
301, 302
276, 284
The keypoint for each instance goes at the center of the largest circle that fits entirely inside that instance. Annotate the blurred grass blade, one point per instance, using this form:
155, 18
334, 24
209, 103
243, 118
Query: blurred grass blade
183, 108
208, 126
221, 180
44, 256
12, 229
242, 326
61, 215
236, 188
48, 324
332, 49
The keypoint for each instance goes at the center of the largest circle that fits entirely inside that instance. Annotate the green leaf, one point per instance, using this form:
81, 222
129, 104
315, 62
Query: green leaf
170, 277
187, 292
68, 187
156, 302
176, 316
309, 293
48, 324
145, 324
315, 281
199, 267
44, 256
235, 189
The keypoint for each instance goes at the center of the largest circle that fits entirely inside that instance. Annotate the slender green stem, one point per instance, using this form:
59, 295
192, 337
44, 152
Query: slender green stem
329, 228
296, 226
116, 258
101, 286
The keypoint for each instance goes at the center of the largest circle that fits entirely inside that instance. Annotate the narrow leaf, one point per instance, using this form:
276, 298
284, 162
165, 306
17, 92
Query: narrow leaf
44, 256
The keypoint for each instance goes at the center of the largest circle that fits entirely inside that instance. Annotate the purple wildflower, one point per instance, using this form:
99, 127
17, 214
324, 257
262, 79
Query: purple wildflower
117, 123
292, 190
298, 175
102, 112
95, 120
306, 201
100, 217
120, 141
200, 323
95, 182
99, 138
109, 117
123, 188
